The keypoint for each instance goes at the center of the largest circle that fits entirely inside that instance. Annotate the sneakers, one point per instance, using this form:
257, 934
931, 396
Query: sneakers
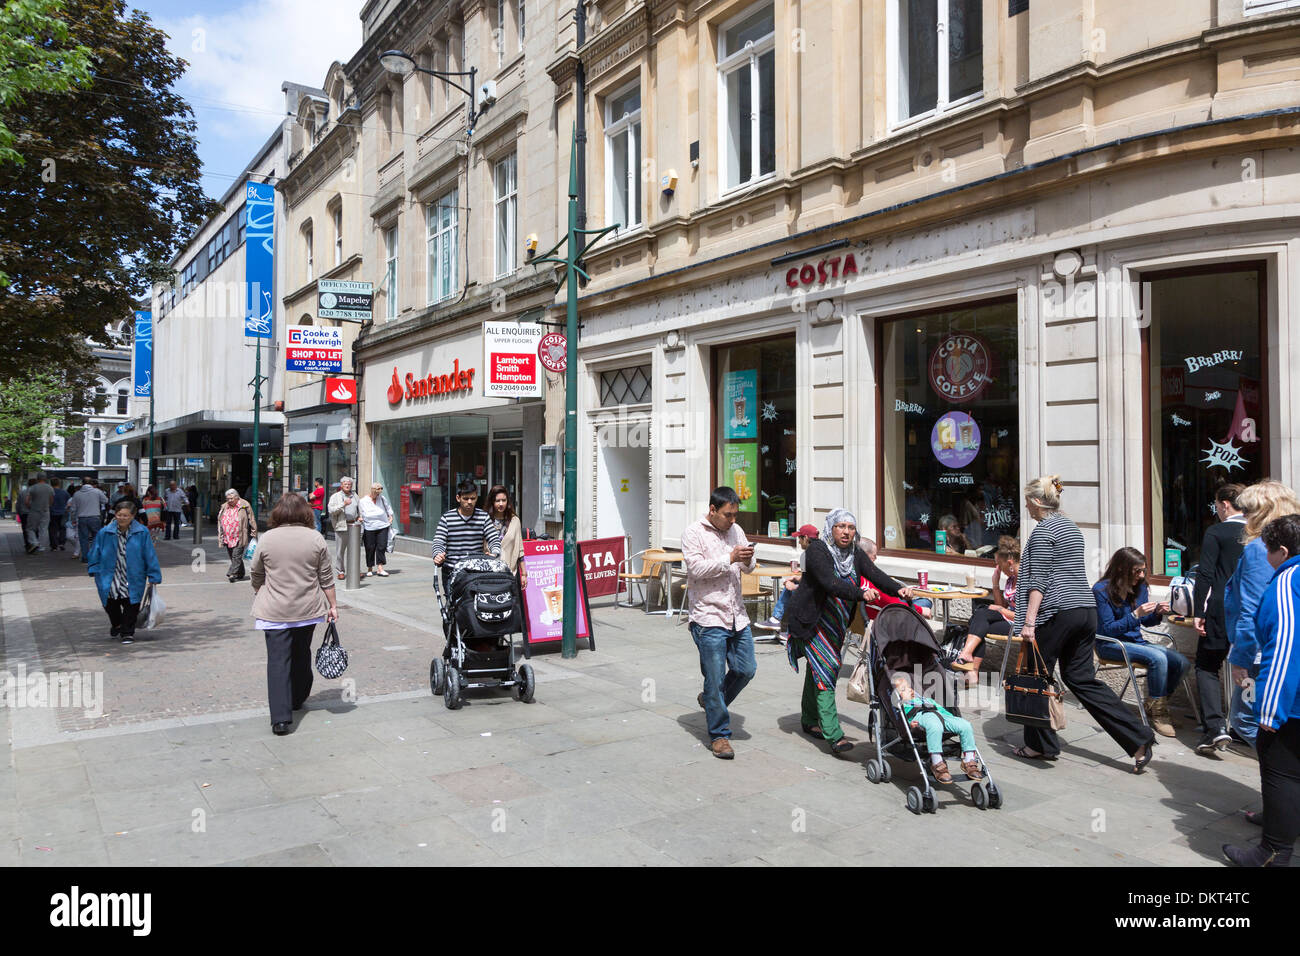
1221, 740
1256, 856
721, 748
128, 639
1213, 743
1158, 713
771, 624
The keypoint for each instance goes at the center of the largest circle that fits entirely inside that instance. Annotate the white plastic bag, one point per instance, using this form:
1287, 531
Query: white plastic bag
157, 608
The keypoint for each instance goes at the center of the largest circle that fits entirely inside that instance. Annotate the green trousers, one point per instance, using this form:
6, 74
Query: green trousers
819, 707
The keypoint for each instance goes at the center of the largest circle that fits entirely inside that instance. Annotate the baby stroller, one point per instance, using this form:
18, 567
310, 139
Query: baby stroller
480, 613
901, 640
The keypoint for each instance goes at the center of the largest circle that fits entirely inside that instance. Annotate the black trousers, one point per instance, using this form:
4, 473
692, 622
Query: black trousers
1211, 650
58, 530
172, 525
376, 543
1279, 781
1068, 638
288, 670
984, 621
122, 614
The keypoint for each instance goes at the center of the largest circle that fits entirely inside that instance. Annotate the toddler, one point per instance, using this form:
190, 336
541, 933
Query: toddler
923, 713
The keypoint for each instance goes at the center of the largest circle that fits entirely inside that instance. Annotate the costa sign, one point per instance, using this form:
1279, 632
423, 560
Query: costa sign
410, 388
835, 267
959, 367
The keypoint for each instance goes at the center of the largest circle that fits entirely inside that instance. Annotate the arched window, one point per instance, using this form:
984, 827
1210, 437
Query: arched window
96, 447
123, 398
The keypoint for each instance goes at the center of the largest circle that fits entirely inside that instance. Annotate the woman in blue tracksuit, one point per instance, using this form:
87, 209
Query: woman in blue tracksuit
121, 559
1262, 503
1123, 609
1278, 701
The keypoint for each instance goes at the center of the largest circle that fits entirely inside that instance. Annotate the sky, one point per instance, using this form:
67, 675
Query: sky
238, 55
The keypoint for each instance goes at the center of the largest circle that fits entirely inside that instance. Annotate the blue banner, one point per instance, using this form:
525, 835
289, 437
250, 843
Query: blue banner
259, 260
143, 377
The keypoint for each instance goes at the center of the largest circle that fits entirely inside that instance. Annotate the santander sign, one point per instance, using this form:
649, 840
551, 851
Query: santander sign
411, 388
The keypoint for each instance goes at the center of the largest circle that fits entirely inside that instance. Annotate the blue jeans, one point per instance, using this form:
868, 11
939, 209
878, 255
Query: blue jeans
87, 528
779, 608
1243, 714
1165, 666
727, 662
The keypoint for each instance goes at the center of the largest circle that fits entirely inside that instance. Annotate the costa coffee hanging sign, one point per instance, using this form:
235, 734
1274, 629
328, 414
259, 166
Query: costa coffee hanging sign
835, 267
959, 368
411, 388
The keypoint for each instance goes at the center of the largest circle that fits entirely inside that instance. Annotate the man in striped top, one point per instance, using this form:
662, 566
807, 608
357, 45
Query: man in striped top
464, 532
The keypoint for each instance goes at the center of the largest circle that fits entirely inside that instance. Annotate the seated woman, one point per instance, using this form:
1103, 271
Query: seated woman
997, 618
1123, 609
922, 713
956, 541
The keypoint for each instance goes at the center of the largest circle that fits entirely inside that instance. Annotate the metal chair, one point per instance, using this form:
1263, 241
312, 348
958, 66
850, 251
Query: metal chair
753, 591
1134, 672
651, 570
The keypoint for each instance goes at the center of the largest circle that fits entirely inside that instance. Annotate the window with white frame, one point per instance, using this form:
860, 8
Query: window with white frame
309, 257
519, 24
390, 272
1250, 7
123, 399
96, 446
623, 157
441, 221
926, 82
499, 36
336, 214
505, 185
747, 96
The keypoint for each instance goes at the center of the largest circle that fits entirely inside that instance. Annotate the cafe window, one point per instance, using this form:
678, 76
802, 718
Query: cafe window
949, 407
754, 401
1206, 415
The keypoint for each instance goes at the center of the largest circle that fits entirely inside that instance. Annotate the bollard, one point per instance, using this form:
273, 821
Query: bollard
353, 557
198, 526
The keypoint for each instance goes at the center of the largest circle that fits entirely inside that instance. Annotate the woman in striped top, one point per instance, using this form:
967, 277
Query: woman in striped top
1055, 610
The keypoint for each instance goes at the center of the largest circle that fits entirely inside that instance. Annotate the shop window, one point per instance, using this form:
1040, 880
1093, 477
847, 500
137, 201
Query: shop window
440, 223
754, 409
623, 157
1206, 402
625, 386
925, 81
949, 453
420, 461
747, 96
505, 187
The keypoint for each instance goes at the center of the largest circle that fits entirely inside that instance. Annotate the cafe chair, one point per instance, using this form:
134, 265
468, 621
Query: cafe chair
651, 570
1134, 672
753, 591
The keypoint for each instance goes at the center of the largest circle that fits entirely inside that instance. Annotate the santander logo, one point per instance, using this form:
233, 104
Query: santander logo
456, 380
342, 393
395, 390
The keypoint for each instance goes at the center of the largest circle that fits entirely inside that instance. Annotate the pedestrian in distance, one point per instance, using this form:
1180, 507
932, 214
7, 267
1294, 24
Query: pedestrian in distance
344, 512
1262, 503
122, 560
1278, 698
1220, 551
837, 575
1124, 607
716, 553
40, 499
293, 587
58, 515
24, 497
318, 505
508, 526
1057, 611
465, 531
376, 526
236, 526
175, 502
90, 503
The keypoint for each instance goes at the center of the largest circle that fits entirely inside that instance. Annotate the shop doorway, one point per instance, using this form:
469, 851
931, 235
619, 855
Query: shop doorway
507, 463
623, 494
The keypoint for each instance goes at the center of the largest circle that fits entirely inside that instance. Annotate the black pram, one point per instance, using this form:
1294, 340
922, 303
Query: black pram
480, 613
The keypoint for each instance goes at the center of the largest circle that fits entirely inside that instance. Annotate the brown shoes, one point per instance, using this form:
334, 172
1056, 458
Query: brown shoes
941, 772
971, 768
721, 748
1158, 713
342, 575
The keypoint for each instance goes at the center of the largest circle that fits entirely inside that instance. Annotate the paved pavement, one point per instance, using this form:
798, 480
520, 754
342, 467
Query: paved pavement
174, 762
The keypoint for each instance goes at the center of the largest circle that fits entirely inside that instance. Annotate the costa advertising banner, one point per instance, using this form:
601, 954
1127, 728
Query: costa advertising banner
259, 260
143, 354
510, 357
542, 585
314, 348
599, 559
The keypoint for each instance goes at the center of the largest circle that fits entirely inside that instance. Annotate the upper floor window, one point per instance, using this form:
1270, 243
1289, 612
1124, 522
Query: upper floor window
390, 271
747, 96
123, 397
519, 23
623, 157
1267, 6
499, 34
96, 447
242, 226
926, 82
440, 219
336, 214
308, 252
506, 201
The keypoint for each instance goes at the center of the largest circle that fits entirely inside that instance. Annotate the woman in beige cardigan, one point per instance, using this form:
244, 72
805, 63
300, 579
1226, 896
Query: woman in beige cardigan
507, 525
293, 581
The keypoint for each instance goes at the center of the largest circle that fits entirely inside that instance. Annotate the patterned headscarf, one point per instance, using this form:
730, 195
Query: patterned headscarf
843, 556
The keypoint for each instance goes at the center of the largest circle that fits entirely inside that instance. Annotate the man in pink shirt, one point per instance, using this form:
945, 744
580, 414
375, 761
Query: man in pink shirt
716, 552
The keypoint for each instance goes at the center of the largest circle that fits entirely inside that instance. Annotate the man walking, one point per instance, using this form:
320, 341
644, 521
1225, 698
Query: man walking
89, 503
1220, 551
176, 501
58, 516
716, 552
343, 511
40, 498
464, 532
24, 497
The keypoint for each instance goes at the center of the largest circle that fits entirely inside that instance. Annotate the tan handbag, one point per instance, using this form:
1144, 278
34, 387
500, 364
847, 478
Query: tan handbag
859, 688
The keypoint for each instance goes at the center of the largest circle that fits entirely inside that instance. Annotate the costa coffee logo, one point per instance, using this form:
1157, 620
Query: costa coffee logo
959, 367
455, 381
822, 272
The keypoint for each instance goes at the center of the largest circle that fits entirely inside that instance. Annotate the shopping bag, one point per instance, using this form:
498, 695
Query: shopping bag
331, 658
1031, 692
250, 550
157, 608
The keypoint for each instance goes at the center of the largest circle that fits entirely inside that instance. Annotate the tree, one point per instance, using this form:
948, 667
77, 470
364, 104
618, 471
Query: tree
109, 191
34, 411
35, 57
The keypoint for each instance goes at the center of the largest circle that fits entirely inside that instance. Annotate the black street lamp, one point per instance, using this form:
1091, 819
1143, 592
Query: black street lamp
403, 64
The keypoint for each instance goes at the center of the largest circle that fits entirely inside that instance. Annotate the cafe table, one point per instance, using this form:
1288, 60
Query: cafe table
949, 594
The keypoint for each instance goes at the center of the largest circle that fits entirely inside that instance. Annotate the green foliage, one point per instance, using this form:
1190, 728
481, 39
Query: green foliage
35, 57
34, 410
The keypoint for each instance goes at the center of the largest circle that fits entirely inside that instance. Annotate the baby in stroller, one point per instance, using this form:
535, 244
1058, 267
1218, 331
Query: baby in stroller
922, 713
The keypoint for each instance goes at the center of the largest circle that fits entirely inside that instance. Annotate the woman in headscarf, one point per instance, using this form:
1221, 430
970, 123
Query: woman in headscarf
838, 574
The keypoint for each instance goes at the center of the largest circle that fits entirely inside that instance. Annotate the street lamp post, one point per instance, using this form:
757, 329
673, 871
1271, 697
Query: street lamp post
575, 249
401, 63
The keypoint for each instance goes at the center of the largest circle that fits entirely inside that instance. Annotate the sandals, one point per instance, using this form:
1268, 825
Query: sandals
1139, 763
960, 665
841, 746
814, 732
1024, 753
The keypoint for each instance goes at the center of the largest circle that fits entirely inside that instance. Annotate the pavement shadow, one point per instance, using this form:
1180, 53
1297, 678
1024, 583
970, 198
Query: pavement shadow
695, 723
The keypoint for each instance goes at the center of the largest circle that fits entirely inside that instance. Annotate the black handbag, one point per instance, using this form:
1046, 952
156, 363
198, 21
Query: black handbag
331, 658
1033, 698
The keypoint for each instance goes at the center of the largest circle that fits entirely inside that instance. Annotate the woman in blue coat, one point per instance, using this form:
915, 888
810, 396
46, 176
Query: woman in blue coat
1124, 607
121, 560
